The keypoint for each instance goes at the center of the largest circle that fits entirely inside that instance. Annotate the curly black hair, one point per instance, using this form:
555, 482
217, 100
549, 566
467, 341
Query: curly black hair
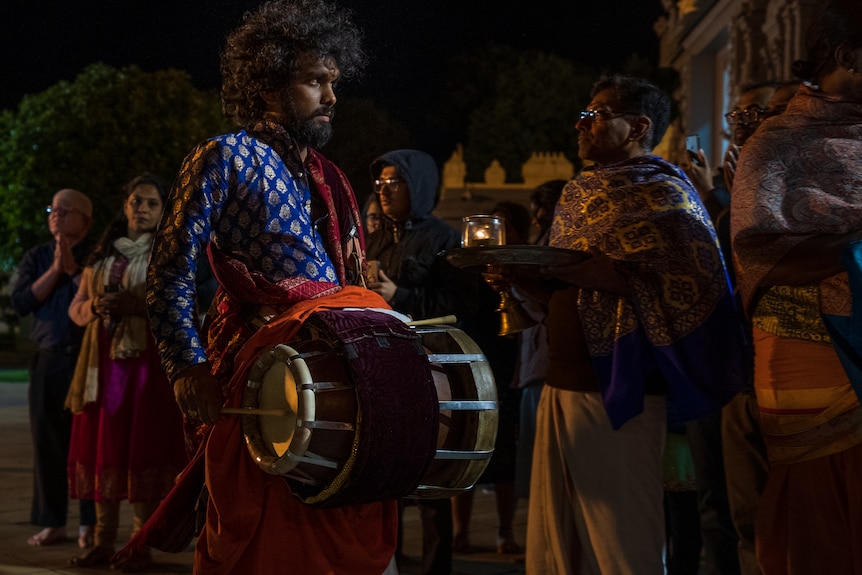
642, 96
264, 52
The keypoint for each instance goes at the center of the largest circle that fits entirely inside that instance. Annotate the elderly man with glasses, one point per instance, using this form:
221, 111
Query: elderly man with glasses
728, 447
48, 278
645, 323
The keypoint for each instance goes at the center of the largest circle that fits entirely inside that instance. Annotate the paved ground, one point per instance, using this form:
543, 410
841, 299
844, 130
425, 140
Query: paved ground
18, 558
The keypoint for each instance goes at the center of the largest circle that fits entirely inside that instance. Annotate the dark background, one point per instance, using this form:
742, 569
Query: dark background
43, 42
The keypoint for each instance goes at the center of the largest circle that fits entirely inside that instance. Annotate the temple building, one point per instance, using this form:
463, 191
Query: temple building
720, 46
459, 198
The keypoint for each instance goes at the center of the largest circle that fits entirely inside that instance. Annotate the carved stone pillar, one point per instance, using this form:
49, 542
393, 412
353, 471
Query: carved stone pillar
748, 40
785, 27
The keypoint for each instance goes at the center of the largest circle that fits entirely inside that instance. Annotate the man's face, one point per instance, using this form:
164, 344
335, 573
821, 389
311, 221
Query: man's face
605, 138
394, 194
307, 107
750, 107
70, 216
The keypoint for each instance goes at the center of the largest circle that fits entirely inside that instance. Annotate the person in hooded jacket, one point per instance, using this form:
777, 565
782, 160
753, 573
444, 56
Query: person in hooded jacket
412, 280
410, 236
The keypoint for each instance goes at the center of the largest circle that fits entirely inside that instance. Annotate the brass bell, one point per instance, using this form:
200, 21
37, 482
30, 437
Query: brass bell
513, 317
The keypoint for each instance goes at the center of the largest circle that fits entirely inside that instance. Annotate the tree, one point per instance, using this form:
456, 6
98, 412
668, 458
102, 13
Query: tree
517, 103
95, 134
361, 133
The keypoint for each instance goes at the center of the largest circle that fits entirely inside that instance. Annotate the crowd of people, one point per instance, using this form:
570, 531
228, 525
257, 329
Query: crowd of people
688, 394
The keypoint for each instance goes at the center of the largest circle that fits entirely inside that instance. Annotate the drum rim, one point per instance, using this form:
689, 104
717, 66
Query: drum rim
306, 408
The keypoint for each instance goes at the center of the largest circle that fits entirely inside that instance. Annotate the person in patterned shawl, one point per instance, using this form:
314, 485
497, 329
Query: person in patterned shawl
647, 318
796, 226
281, 227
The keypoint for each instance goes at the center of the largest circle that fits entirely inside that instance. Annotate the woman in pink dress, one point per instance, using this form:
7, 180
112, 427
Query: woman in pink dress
127, 438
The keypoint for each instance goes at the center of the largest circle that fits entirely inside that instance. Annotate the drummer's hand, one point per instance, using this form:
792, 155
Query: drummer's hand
385, 287
198, 393
597, 272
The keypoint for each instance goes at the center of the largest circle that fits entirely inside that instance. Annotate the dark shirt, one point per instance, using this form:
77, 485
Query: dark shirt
51, 326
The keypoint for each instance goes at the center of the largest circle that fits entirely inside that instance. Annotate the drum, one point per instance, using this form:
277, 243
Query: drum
467, 397
366, 408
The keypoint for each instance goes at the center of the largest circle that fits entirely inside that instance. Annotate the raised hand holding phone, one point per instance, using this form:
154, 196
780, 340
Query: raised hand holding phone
692, 146
699, 170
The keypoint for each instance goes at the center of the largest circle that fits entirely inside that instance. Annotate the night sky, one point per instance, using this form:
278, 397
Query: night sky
44, 42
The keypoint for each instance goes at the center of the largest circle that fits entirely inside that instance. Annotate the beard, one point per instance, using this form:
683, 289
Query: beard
308, 131
311, 133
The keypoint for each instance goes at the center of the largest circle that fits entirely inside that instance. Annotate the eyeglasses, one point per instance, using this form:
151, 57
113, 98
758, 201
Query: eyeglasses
391, 183
603, 115
747, 116
62, 212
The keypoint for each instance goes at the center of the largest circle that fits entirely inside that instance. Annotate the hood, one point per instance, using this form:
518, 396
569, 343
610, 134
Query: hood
420, 171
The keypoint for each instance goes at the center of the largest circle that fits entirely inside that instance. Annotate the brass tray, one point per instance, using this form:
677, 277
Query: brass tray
513, 256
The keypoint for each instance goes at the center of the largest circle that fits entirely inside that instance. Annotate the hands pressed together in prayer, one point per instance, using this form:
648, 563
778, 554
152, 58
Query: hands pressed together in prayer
64, 259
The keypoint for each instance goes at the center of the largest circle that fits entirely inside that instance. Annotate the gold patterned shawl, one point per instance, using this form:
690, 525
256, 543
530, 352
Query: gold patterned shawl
680, 323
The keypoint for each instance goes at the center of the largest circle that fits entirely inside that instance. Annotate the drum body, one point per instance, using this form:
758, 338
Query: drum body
467, 397
364, 421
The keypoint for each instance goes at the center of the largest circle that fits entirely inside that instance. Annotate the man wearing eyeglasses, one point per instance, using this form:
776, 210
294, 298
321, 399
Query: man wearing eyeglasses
411, 280
646, 320
744, 119
410, 236
728, 449
726, 545
48, 278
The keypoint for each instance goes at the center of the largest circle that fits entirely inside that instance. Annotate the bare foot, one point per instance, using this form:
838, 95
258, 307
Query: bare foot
85, 536
48, 536
507, 546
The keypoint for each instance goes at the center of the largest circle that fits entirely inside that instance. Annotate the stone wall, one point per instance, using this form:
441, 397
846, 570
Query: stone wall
459, 198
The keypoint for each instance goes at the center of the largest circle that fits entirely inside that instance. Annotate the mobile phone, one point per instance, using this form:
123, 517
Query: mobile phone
692, 146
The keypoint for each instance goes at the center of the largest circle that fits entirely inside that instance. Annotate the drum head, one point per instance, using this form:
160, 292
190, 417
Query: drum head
278, 392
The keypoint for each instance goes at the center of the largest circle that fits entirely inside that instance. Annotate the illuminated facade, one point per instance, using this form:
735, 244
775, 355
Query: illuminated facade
719, 46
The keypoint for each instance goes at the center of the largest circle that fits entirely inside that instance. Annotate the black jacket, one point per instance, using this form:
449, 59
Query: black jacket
408, 251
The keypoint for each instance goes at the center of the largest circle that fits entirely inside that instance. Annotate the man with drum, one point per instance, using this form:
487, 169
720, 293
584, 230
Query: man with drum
281, 227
